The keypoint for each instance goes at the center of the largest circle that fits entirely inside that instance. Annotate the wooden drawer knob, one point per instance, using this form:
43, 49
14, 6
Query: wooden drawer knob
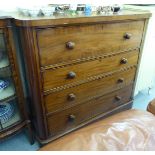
71, 75
118, 98
71, 117
120, 80
70, 45
127, 35
124, 61
71, 97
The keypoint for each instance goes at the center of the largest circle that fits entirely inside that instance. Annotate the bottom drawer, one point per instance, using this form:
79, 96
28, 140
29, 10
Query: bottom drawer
65, 120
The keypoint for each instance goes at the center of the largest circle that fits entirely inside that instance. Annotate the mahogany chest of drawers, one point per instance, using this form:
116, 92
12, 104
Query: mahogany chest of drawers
81, 68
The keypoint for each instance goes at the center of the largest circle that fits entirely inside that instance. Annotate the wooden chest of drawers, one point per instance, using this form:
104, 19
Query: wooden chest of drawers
80, 69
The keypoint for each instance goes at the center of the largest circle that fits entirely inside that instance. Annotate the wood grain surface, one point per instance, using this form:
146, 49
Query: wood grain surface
61, 122
90, 40
58, 100
57, 77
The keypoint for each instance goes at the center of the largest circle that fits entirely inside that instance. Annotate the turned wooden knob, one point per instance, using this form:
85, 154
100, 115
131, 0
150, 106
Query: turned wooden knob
124, 61
127, 35
118, 98
71, 97
71, 75
120, 80
70, 45
71, 118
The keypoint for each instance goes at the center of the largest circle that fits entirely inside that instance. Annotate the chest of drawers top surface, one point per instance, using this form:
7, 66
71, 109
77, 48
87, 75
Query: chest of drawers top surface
126, 14
80, 68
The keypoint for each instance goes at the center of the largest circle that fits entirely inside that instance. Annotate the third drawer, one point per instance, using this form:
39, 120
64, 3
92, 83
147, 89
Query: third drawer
75, 95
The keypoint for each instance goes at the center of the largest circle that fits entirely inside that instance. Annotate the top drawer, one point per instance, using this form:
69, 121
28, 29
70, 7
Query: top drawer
71, 43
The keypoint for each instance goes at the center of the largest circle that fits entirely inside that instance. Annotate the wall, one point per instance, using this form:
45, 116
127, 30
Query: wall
146, 75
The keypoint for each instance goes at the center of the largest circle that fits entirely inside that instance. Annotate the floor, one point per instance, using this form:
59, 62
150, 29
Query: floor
142, 99
20, 141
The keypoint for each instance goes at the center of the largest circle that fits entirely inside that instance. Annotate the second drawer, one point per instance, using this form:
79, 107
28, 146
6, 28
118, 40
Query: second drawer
69, 74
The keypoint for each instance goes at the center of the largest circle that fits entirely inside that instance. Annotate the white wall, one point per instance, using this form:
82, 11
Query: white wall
146, 75
11, 5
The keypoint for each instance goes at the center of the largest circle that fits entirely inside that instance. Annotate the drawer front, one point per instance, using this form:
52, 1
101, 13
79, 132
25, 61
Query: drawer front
67, 44
57, 77
72, 117
84, 92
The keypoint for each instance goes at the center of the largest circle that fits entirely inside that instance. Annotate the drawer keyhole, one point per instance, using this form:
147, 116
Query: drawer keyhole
124, 61
127, 36
71, 97
71, 75
118, 98
70, 45
71, 118
120, 80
